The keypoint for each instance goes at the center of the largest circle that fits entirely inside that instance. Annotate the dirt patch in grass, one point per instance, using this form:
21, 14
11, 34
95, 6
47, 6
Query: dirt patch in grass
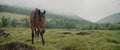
3, 33
66, 33
69, 48
83, 33
28, 40
113, 41
16, 46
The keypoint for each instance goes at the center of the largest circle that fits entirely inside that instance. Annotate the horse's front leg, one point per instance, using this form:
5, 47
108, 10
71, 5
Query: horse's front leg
32, 37
33, 29
41, 33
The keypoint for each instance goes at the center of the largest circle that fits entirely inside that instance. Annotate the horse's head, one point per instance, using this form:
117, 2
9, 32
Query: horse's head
40, 14
41, 17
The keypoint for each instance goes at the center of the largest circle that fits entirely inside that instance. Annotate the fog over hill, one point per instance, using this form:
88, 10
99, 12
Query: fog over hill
92, 10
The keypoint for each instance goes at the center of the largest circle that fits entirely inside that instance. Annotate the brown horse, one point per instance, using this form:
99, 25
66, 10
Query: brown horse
37, 21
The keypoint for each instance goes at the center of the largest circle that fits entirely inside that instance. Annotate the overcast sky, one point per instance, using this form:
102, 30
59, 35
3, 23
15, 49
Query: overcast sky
91, 10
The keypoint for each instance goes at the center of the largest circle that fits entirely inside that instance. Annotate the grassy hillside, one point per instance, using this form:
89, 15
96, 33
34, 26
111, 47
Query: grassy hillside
13, 9
56, 39
114, 18
12, 15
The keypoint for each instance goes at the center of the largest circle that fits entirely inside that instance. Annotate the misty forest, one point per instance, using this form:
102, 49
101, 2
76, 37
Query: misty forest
62, 31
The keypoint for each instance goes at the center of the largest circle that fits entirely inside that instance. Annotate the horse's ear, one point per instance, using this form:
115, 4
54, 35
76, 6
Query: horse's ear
44, 12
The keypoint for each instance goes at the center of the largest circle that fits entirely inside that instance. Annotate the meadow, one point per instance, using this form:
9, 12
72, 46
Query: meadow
61, 39
56, 39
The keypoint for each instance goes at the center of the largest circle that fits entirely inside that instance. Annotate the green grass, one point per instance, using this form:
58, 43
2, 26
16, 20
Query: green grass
97, 40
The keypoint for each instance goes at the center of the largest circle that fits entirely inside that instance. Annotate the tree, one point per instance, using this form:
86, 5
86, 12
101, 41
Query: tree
70, 25
14, 22
25, 22
5, 21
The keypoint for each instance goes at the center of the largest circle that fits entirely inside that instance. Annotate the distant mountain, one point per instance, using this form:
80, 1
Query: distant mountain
114, 18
